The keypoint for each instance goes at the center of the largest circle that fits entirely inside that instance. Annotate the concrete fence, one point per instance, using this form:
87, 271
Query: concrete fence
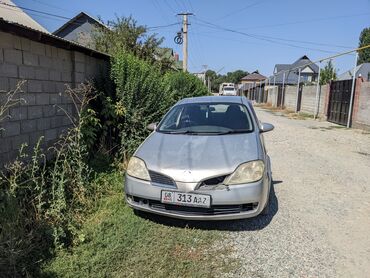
310, 102
361, 106
47, 70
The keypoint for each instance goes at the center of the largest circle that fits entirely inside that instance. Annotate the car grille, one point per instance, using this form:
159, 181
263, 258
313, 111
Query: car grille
213, 183
213, 210
161, 179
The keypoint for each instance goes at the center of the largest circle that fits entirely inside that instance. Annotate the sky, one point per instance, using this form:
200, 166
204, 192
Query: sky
226, 35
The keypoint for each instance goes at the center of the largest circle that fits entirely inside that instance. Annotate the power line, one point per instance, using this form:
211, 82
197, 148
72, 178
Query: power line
182, 6
302, 21
168, 5
197, 44
36, 11
243, 9
258, 37
158, 6
324, 59
191, 6
162, 26
59, 17
298, 41
51, 6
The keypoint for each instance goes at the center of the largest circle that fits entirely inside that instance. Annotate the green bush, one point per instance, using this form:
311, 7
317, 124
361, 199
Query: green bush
140, 94
179, 85
144, 95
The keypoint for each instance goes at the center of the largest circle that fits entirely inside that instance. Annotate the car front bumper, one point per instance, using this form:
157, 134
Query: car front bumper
233, 202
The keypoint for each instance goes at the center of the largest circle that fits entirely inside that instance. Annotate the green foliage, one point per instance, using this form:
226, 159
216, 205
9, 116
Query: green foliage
126, 34
364, 55
90, 127
179, 85
42, 204
143, 96
117, 243
328, 73
230, 77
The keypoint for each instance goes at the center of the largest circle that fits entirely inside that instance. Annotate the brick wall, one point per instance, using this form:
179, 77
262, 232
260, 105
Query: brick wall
47, 70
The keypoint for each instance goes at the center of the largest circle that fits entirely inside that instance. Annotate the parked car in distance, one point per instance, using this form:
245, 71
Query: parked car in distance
227, 89
206, 160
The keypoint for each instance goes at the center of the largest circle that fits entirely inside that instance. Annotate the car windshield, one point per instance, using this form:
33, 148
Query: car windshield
207, 118
229, 89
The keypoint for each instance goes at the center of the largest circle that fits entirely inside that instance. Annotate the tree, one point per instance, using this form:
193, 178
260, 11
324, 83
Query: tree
230, 77
364, 55
328, 73
235, 76
126, 34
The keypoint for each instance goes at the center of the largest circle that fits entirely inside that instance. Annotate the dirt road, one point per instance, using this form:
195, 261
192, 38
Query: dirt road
320, 218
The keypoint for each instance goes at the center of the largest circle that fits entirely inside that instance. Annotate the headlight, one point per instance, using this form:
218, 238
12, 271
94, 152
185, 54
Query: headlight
247, 172
137, 168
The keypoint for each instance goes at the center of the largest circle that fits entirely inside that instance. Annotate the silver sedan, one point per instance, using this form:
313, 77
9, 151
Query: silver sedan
206, 160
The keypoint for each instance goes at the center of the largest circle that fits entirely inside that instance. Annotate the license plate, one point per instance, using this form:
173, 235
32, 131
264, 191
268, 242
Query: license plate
185, 199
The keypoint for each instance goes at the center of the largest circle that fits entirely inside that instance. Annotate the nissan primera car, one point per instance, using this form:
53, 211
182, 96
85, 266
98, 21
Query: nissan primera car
206, 160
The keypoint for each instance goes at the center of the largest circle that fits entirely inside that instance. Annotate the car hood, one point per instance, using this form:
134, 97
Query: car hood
193, 158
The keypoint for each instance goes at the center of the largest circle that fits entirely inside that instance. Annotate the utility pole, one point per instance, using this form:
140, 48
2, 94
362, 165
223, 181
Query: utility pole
185, 25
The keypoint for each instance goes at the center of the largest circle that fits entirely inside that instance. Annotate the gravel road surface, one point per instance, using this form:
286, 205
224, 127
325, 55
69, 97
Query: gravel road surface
320, 213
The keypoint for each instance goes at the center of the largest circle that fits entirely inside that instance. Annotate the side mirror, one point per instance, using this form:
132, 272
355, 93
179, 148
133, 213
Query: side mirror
265, 127
152, 126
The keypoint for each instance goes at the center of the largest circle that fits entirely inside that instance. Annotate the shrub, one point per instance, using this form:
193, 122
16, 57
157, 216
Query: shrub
42, 204
143, 96
140, 95
179, 85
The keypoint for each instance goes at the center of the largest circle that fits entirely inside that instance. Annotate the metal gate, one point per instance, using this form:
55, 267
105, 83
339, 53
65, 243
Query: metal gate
339, 99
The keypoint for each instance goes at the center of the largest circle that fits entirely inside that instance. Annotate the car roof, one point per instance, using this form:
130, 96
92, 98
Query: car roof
215, 99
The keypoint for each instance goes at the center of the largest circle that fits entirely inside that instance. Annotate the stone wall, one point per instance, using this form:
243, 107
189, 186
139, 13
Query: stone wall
47, 70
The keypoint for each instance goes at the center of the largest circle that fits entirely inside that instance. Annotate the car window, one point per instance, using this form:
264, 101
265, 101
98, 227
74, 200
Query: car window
207, 118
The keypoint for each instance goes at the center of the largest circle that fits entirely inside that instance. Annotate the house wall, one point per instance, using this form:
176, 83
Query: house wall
80, 32
47, 70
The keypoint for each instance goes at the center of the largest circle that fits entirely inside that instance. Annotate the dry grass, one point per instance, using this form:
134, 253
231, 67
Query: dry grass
285, 112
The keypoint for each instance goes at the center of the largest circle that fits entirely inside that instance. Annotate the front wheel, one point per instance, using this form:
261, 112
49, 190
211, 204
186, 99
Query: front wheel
266, 210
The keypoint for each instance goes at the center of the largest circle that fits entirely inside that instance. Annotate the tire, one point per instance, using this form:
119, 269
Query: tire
266, 210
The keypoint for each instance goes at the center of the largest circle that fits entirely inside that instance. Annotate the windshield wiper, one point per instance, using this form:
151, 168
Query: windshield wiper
234, 131
181, 132
192, 132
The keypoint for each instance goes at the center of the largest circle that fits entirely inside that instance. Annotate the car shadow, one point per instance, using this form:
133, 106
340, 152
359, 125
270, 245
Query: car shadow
250, 224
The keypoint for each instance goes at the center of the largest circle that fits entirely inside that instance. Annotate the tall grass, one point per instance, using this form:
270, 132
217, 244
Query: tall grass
43, 203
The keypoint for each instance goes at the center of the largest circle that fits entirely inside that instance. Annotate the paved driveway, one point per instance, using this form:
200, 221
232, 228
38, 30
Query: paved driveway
320, 220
